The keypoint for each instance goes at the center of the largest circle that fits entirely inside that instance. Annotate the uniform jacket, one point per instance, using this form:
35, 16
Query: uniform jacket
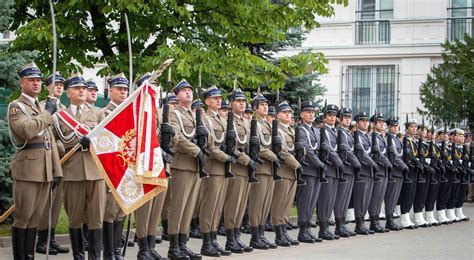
264, 132
217, 127
309, 137
334, 160
384, 162
351, 162
367, 163
81, 166
36, 165
398, 165
289, 164
242, 128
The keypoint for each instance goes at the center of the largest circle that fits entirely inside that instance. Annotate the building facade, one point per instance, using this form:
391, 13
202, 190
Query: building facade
380, 51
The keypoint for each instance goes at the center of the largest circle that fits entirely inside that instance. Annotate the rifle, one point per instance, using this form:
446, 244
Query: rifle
433, 158
229, 143
444, 161
254, 149
455, 163
299, 152
390, 154
166, 133
421, 158
276, 144
358, 152
342, 152
323, 154
465, 165
407, 156
201, 134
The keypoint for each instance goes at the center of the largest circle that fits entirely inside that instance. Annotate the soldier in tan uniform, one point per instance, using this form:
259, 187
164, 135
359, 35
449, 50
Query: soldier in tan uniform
213, 189
114, 216
173, 104
238, 187
54, 247
261, 194
84, 186
285, 190
185, 182
148, 215
35, 166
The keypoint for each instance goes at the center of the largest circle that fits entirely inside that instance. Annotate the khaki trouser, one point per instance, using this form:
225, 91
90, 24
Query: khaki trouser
30, 200
213, 190
58, 198
184, 192
113, 212
148, 216
166, 204
235, 201
260, 199
85, 200
283, 197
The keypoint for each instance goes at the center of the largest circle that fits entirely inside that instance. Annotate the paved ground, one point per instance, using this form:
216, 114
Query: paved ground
454, 241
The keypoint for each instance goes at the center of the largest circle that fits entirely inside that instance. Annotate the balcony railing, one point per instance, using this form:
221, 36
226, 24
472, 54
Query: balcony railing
372, 32
460, 26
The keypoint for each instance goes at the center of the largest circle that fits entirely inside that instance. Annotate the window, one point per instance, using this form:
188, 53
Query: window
373, 24
372, 87
460, 19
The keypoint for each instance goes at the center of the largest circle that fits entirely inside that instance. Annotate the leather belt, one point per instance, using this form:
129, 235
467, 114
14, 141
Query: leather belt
46, 145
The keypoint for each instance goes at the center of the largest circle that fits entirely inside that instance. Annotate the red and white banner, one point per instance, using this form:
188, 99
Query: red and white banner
114, 145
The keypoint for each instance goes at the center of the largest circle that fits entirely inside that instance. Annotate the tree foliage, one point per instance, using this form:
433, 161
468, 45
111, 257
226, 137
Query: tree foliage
448, 93
224, 40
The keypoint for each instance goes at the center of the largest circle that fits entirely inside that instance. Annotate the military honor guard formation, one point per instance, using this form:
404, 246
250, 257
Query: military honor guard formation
233, 166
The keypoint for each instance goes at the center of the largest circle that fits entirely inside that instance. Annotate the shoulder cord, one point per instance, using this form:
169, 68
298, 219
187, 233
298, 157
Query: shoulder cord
330, 145
213, 133
313, 147
262, 137
187, 135
240, 141
284, 143
12, 139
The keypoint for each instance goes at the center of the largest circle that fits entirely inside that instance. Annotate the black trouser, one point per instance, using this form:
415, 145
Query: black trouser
307, 197
444, 191
421, 193
344, 193
327, 198
453, 195
407, 194
361, 196
392, 195
463, 190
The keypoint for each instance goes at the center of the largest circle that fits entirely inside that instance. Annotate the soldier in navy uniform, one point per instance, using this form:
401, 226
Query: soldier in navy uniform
307, 195
444, 186
362, 190
327, 196
398, 170
408, 188
384, 167
433, 188
352, 165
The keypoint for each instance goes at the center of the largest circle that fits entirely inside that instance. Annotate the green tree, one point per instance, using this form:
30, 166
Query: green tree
448, 92
221, 39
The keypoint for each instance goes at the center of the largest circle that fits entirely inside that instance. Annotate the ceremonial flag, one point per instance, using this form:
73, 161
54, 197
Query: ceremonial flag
114, 148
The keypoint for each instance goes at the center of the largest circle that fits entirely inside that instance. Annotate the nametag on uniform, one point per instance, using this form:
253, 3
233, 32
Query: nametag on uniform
428, 160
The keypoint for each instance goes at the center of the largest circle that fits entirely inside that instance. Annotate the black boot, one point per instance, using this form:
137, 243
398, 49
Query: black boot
183, 240
340, 231
85, 234
18, 243
30, 243
164, 230
240, 243
374, 225
291, 225
268, 224
288, 238
280, 238
195, 232
303, 234
143, 251
261, 230
360, 227
221, 228
95, 244
55, 245
77, 243
174, 252
308, 230
42, 242
118, 230
390, 223
256, 241
108, 240
324, 232
207, 249
151, 246
231, 244
217, 246
348, 231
